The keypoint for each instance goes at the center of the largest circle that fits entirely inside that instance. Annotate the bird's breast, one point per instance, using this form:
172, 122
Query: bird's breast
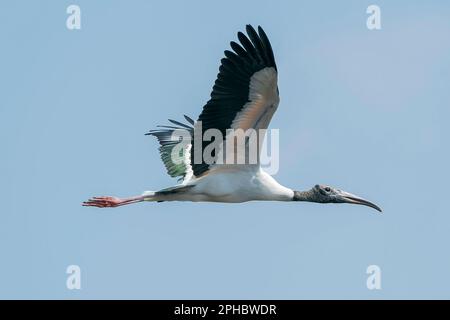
240, 186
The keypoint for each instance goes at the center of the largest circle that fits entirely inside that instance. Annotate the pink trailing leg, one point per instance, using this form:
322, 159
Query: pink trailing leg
111, 202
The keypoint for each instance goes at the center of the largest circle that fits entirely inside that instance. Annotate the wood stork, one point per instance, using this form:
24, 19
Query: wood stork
244, 96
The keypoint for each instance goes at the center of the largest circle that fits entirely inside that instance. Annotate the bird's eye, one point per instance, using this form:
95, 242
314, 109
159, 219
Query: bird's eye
327, 189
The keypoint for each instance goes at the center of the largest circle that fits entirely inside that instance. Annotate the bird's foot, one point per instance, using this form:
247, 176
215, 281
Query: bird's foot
104, 202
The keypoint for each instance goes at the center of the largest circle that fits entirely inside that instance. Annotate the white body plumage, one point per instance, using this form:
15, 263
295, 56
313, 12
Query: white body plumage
227, 184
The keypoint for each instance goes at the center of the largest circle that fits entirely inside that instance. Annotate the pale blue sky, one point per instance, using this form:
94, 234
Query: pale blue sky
365, 111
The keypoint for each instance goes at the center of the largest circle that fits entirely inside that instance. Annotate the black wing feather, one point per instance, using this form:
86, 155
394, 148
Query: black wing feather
231, 88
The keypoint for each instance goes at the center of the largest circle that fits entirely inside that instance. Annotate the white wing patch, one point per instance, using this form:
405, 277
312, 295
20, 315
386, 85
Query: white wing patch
187, 162
263, 96
257, 113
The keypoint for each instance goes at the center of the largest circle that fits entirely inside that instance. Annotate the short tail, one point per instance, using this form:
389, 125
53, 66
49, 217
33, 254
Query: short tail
149, 196
167, 194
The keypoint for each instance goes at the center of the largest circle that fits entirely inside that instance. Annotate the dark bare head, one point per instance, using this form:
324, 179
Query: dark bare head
327, 194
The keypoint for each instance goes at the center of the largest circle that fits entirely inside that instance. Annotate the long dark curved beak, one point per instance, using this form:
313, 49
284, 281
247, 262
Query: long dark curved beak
351, 198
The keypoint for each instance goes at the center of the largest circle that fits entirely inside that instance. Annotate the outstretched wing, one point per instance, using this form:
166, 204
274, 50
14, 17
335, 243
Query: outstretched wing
245, 93
177, 164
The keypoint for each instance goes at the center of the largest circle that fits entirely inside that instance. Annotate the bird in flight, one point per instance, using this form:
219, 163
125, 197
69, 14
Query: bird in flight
244, 97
